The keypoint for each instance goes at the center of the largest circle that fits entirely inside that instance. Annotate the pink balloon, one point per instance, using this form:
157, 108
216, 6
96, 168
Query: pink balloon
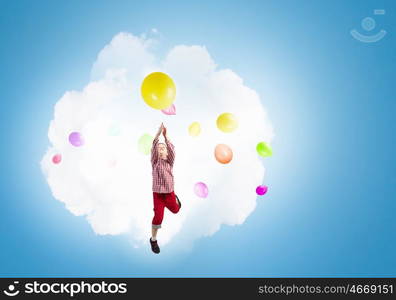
112, 163
261, 190
76, 139
171, 110
201, 190
56, 159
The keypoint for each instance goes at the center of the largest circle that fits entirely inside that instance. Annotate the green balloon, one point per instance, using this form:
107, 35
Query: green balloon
114, 130
263, 149
144, 144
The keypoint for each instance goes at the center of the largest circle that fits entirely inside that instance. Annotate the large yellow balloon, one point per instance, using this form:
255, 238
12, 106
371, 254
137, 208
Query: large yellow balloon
194, 129
158, 90
227, 122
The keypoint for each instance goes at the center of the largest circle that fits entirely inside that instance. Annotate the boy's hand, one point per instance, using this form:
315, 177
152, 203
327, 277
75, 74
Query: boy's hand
160, 129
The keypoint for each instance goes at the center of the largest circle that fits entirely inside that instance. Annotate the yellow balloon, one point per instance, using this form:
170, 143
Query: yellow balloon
158, 90
227, 122
194, 129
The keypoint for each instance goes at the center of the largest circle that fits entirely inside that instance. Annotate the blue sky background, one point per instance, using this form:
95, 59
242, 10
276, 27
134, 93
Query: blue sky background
330, 210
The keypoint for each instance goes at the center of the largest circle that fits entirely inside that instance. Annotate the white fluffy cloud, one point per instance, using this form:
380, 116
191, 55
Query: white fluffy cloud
108, 180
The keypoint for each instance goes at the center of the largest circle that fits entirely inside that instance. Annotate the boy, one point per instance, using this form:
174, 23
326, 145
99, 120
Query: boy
162, 159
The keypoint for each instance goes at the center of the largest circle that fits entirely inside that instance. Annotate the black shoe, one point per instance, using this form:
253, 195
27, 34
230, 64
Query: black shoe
154, 246
177, 199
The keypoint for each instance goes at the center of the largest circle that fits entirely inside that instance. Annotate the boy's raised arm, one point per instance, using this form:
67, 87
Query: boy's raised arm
154, 151
170, 148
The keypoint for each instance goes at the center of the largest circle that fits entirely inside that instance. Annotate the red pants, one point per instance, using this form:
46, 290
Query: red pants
161, 201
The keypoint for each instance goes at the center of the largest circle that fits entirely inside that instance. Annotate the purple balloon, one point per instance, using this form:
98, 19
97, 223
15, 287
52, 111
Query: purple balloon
201, 190
76, 139
261, 190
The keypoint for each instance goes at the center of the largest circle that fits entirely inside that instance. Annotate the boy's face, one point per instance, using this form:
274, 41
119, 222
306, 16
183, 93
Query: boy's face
162, 151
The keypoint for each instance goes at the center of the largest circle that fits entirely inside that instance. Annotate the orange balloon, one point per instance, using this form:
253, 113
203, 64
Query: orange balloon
223, 154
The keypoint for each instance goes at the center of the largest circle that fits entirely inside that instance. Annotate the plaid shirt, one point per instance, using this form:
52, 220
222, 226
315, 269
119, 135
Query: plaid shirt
162, 169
